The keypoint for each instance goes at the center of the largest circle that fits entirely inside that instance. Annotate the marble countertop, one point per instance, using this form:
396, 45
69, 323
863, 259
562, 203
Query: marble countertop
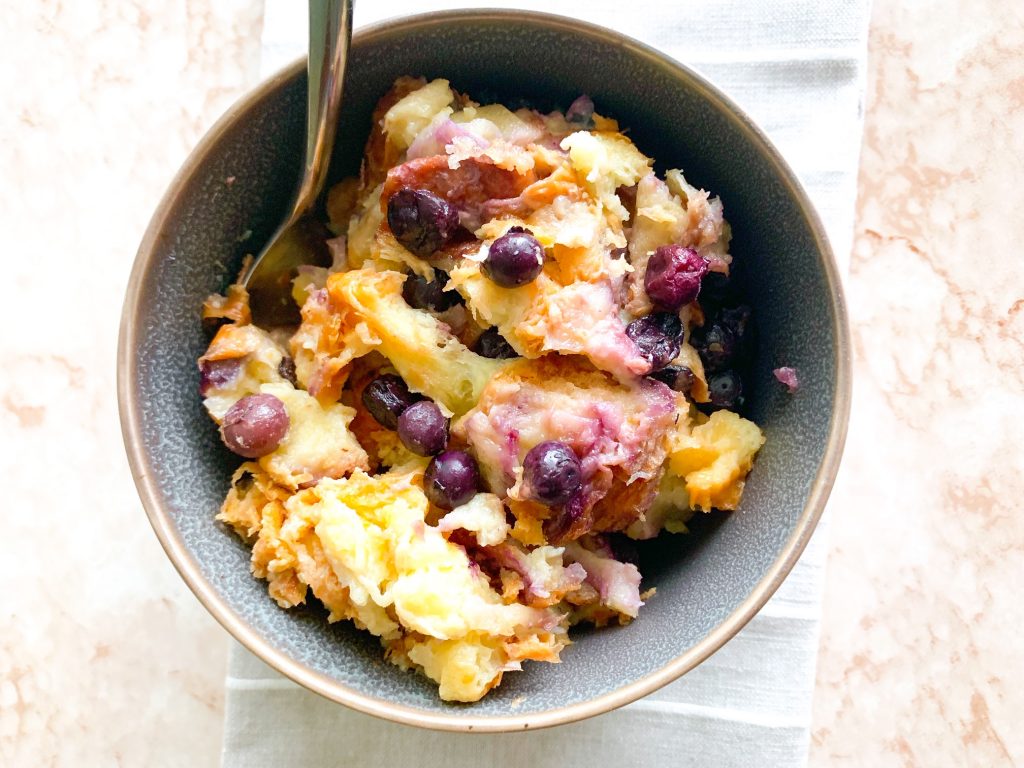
106, 659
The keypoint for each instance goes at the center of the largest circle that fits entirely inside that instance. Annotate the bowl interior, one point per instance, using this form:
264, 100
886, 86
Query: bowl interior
232, 196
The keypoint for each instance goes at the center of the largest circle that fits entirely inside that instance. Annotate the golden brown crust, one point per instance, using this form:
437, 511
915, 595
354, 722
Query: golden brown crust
379, 155
530, 517
330, 337
254, 507
511, 585
474, 182
250, 491
544, 646
233, 341
558, 369
232, 307
624, 502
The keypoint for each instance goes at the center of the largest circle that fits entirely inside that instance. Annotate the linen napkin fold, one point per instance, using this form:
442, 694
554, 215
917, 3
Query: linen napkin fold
797, 67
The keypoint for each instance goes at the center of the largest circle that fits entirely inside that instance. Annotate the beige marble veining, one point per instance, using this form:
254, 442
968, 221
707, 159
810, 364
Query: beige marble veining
922, 657
106, 659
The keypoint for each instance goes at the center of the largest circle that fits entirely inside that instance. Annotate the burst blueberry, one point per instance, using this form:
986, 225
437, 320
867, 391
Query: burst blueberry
562, 520
420, 293
386, 397
421, 221
217, 373
493, 345
659, 336
673, 276
677, 377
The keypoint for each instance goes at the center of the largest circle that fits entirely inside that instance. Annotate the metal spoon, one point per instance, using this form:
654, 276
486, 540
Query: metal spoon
300, 238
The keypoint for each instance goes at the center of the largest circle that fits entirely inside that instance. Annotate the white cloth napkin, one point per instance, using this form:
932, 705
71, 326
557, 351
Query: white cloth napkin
797, 67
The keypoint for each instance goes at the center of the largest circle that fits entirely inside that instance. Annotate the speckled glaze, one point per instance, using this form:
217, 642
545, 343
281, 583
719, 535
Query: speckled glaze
229, 197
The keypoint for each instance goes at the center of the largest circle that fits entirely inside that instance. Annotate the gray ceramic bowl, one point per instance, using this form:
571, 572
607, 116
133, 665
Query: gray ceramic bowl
709, 583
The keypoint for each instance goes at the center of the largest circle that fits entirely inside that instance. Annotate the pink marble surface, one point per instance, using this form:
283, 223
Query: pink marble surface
106, 659
922, 660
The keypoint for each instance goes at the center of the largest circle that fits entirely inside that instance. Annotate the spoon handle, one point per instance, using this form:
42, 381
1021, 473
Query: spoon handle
330, 32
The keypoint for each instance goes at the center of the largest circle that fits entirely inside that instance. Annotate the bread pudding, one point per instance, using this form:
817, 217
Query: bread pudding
526, 352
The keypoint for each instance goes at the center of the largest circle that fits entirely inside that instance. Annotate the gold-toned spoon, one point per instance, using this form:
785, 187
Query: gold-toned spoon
300, 238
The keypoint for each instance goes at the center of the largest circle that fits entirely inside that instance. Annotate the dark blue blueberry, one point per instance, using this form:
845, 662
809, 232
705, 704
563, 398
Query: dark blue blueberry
717, 346
423, 429
659, 336
421, 221
736, 319
677, 377
717, 289
451, 479
552, 473
386, 397
514, 259
420, 293
493, 345
725, 389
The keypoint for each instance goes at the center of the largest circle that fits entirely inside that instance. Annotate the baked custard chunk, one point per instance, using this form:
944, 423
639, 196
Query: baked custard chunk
527, 350
617, 431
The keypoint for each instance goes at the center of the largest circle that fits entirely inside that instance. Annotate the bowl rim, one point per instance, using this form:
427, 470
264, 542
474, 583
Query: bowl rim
129, 405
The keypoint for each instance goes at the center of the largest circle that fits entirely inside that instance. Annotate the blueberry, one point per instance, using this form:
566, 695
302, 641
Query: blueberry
421, 221
673, 276
716, 344
216, 373
287, 371
423, 429
386, 397
736, 319
451, 479
581, 112
514, 259
623, 548
659, 336
255, 425
552, 473
716, 288
493, 345
420, 293
725, 389
677, 377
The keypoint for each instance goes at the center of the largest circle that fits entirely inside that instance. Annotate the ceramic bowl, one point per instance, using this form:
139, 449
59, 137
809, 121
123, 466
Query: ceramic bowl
232, 192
